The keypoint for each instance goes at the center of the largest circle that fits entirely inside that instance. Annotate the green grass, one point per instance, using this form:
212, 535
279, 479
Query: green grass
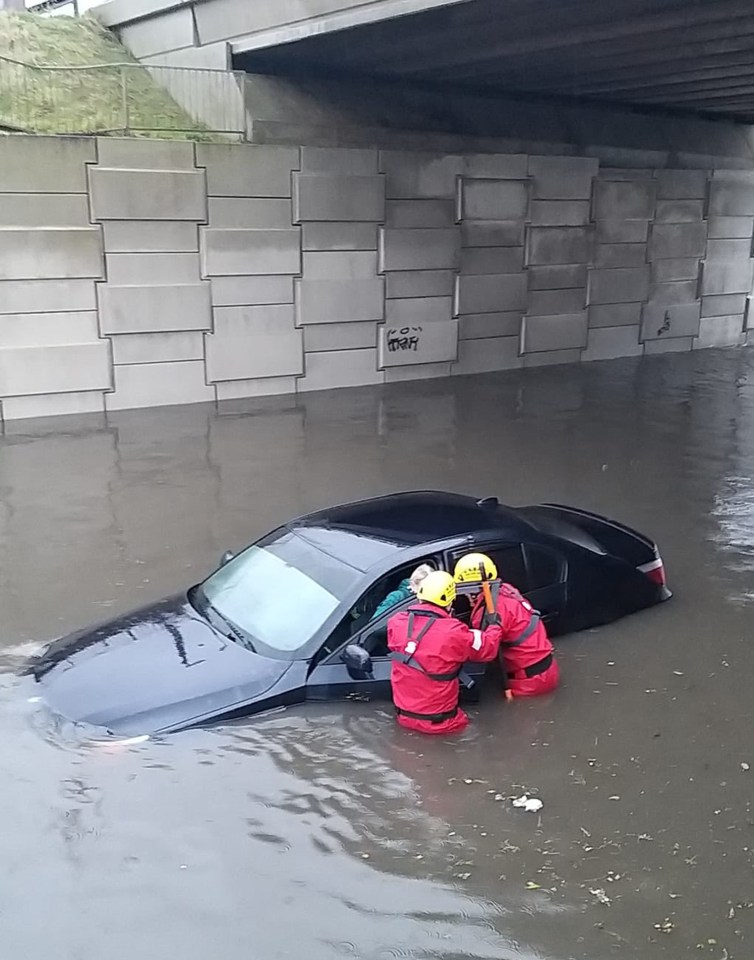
80, 101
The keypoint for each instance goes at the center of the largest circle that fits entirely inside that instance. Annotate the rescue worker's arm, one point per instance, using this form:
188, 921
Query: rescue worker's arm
479, 646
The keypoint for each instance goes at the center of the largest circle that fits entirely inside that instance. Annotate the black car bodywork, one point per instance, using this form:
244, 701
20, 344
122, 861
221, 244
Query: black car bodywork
185, 661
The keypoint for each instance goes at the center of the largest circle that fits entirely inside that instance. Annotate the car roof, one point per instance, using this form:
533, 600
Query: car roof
401, 521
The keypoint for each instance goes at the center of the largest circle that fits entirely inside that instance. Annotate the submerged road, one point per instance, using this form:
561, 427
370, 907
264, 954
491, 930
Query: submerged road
325, 832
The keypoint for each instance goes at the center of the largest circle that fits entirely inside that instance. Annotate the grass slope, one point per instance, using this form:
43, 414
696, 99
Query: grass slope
79, 101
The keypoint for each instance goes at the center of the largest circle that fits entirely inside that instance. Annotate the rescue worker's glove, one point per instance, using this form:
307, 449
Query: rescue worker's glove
492, 619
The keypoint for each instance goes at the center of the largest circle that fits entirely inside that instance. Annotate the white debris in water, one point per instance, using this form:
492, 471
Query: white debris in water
600, 896
530, 804
745, 766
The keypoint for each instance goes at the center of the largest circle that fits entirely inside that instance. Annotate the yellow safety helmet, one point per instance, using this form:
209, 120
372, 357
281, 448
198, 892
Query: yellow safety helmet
475, 567
439, 588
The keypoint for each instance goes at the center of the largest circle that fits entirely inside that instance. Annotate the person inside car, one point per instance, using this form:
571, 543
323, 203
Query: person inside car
526, 653
406, 588
429, 647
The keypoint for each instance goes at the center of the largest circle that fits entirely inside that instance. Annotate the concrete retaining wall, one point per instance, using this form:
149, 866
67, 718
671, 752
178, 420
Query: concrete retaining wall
139, 273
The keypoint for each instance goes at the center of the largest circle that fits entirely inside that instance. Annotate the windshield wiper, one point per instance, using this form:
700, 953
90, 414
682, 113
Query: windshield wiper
231, 631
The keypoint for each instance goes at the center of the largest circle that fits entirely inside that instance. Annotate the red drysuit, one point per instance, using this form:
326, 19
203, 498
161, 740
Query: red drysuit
525, 649
429, 647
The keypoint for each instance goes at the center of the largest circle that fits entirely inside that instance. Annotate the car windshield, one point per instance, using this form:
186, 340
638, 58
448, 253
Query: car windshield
280, 592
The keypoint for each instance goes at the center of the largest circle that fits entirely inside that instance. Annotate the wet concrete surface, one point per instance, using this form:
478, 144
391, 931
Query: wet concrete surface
325, 831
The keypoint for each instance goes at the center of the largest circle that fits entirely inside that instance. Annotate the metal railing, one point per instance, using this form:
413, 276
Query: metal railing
122, 98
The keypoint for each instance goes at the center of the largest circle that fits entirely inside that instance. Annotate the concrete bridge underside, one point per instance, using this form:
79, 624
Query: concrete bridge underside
669, 55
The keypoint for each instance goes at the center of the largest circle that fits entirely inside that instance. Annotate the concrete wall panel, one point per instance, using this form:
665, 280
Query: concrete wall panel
340, 265
159, 384
679, 211
487, 355
26, 162
420, 175
676, 291
481, 260
420, 283
270, 213
726, 276
491, 294
40, 296
686, 268
419, 249
559, 213
731, 198
228, 253
552, 358
339, 336
495, 166
557, 277
157, 347
417, 371
492, 233
76, 367
479, 326
261, 387
565, 332
677, 240
662, 322
330, 160
622, 231
615, 315
339, 236
624, 201
407, 214
494, 199
169, 31
47, 329
251, 291
319, 197
38, 254
435, 341
44, 210
721, 332
132, 153
154, 309
721, 228
562, 178
53, 405
340, 368
336, 301
619, 286
400, 313
545, 303
681, 184
147, 194
236, 170
674, 345
621, 255
559, 245
608, 343
728, 249
152, 268
725, 305
155, 236
254, 342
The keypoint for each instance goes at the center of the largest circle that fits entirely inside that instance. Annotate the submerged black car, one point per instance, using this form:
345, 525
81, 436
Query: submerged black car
290, 618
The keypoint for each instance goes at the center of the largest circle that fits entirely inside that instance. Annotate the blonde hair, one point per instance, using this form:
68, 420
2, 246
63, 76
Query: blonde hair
421, 572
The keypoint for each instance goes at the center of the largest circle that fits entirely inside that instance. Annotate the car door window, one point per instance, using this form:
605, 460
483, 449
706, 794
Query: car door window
544, 567
360, 615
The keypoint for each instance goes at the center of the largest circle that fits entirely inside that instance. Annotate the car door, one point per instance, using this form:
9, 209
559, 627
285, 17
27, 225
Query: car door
330, 678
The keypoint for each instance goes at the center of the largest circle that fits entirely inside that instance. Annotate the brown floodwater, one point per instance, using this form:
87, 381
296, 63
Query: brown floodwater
326, 832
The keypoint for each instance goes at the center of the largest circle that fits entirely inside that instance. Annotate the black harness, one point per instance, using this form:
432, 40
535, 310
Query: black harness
407, 659
532, 625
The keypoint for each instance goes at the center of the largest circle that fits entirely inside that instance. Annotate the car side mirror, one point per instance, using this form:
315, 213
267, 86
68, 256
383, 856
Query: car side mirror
226, 557
358, 662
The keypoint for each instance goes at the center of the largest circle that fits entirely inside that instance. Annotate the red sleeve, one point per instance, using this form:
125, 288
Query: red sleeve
479, 646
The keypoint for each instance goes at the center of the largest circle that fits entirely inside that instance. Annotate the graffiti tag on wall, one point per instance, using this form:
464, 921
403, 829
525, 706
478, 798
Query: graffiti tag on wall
401, 339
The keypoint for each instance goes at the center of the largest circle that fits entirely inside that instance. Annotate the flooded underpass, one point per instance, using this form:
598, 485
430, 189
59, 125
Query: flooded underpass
325, 831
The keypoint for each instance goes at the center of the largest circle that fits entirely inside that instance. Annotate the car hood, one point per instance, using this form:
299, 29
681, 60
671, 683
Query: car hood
158, 669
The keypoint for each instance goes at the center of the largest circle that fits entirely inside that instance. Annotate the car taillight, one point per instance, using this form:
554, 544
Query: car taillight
655, 570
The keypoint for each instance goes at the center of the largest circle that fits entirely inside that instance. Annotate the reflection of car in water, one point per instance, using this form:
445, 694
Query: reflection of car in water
277, 624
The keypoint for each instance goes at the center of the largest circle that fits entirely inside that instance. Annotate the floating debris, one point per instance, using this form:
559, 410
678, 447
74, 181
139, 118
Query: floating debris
667, 926
530, 804
531, 885
600, 896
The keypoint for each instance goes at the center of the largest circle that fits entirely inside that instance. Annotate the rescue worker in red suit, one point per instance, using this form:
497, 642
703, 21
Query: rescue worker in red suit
429, 648
526, 654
